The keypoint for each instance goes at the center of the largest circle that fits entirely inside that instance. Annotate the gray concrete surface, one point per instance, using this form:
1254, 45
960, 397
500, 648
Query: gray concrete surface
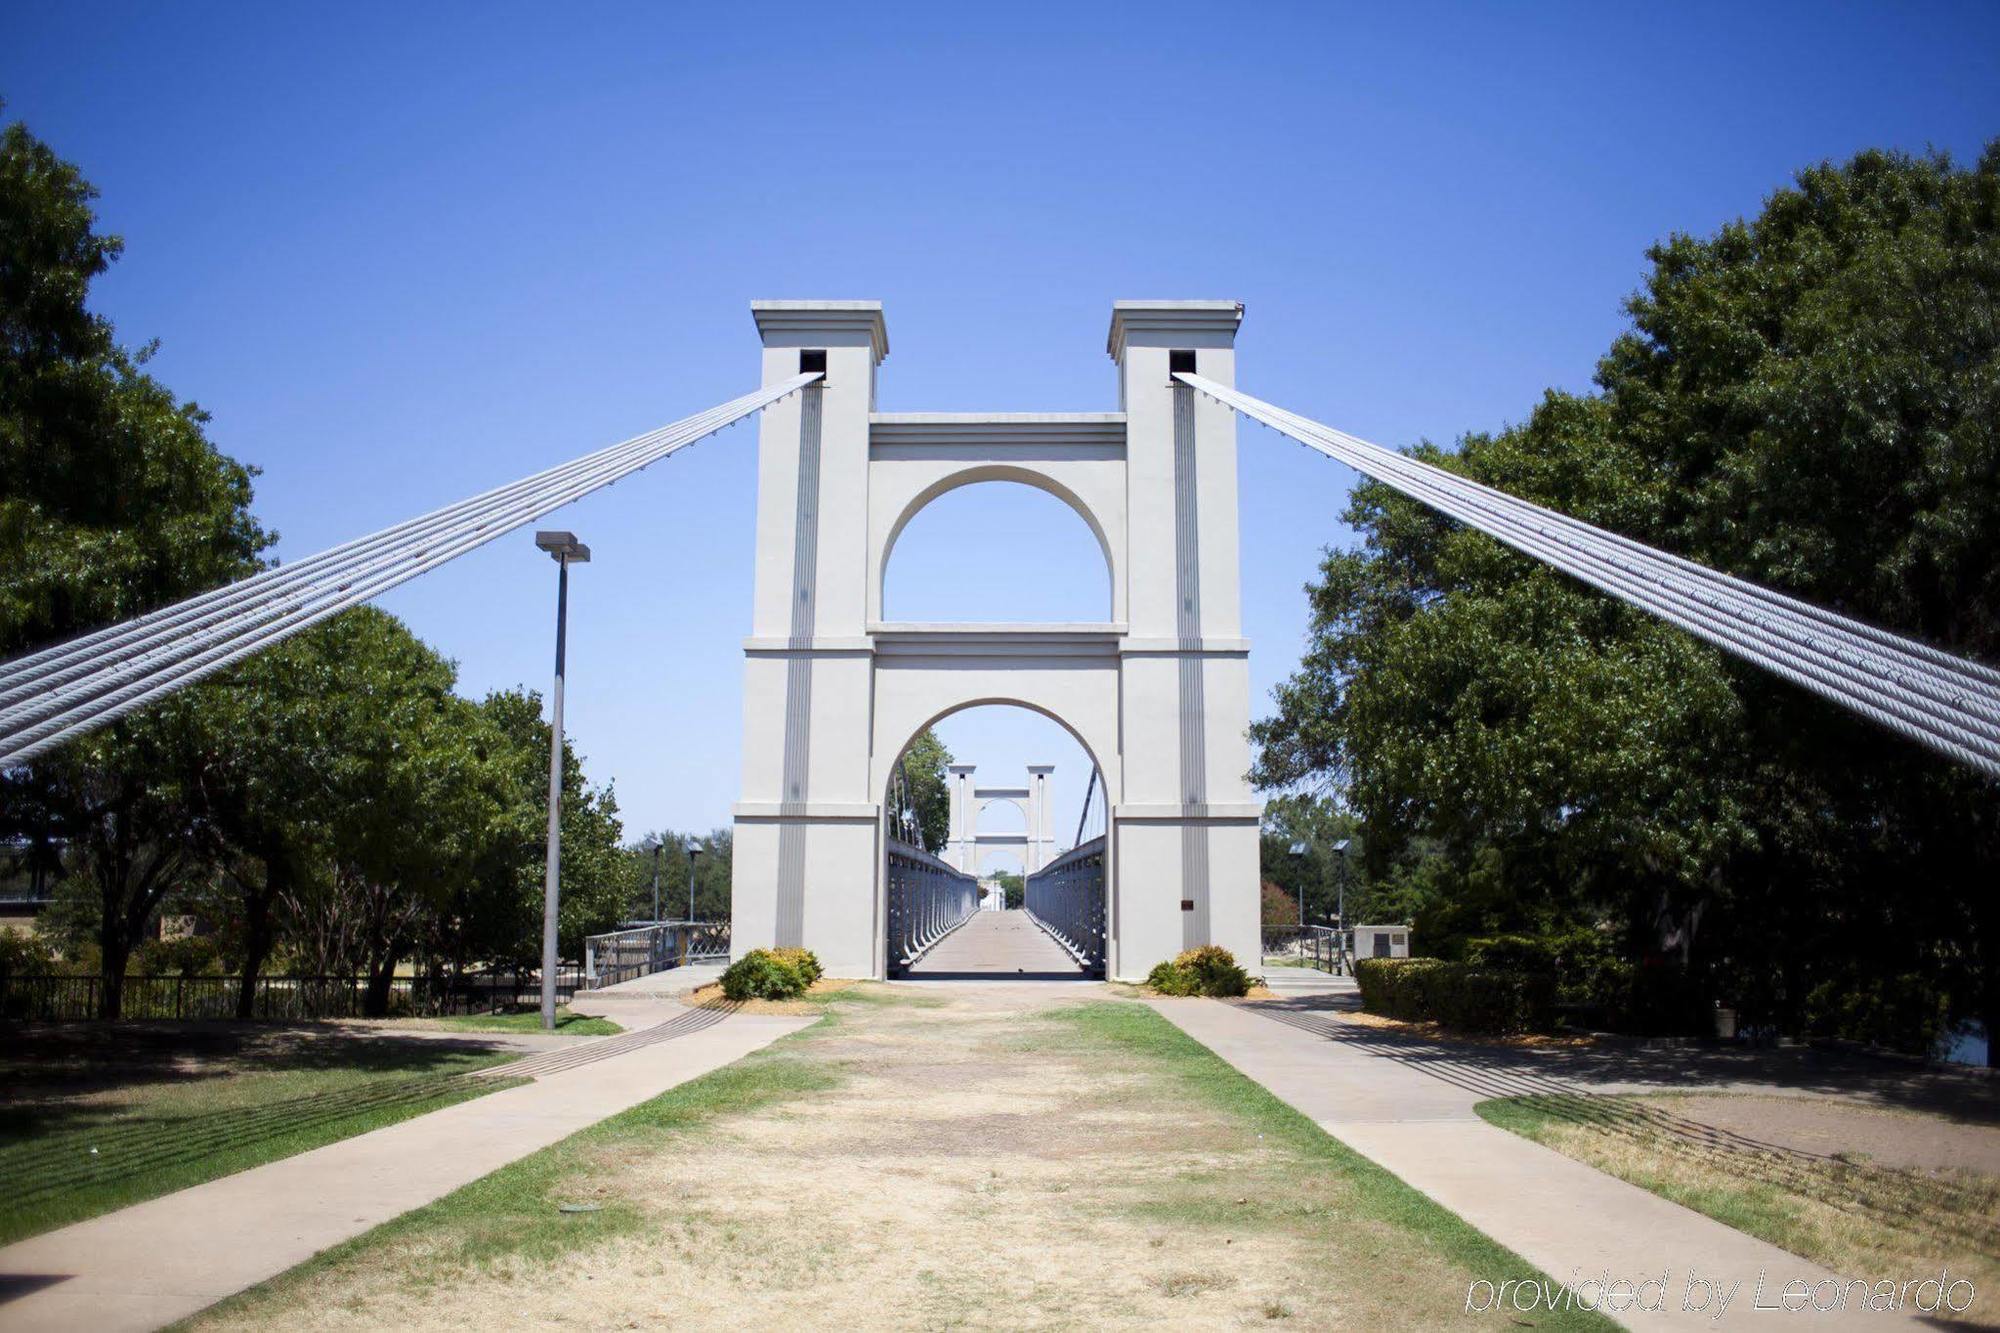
153, 1263
997, 945
1407, 1106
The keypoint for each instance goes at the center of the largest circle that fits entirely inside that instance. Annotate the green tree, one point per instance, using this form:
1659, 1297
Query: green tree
595, 884
1316, 825
112, 499
1809, 399
711, 875
112, 502
415, 787
929, 790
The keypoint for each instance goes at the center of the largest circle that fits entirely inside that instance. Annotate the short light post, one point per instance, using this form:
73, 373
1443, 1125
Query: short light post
1298, 859
659, 854
566, 551
1340, 902
694, 850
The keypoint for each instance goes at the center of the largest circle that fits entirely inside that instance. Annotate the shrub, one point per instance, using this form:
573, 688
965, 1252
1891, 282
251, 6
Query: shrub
1462, 996
1512, 953
762, 975
803, 961
24, 955
1209, 970
181, 956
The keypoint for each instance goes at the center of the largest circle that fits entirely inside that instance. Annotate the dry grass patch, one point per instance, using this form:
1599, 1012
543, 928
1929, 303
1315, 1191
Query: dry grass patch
1838, 1209
998, 1157
812, 1002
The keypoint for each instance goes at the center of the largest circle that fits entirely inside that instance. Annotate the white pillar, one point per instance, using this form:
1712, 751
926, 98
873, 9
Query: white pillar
1041, 847
959, 849
1186, 823
808, 821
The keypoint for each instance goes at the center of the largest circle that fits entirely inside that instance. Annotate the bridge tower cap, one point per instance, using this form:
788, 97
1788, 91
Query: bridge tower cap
1163, 323
806, 323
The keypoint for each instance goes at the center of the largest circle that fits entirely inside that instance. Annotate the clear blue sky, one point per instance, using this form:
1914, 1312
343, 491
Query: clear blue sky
403, 252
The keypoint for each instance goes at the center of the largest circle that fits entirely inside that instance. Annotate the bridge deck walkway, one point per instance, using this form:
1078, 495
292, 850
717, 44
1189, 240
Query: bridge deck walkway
993, 945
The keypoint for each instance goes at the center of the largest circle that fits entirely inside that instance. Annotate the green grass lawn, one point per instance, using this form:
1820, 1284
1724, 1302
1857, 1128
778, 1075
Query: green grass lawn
93, 1118
573, 1025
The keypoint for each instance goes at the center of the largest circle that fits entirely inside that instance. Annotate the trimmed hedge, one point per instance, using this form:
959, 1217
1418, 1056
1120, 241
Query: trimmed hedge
1209, 970
770, 974
1465, 997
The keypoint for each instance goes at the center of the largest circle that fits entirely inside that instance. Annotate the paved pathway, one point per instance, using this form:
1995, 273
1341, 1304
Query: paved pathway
996, 945
159, 1261
1293, 982
1406, 1104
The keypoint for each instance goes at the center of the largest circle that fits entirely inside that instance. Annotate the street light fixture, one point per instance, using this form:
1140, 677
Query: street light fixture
566, 550
694, 850
659, 847
1340, 901
1299, 849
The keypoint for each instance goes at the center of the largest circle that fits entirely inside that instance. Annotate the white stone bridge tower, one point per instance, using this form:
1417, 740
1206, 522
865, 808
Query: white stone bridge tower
1158, 695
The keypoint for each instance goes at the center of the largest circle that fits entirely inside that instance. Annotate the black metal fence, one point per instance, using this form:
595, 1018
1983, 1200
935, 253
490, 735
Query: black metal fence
639, 951
1066, 898
1319, 947
77, 999
927, 900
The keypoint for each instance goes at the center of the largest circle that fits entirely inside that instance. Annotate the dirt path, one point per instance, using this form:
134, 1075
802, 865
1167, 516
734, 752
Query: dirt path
991, 1156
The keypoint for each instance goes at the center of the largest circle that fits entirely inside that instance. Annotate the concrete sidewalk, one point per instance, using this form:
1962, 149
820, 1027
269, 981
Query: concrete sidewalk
155, 1262
1414, 1117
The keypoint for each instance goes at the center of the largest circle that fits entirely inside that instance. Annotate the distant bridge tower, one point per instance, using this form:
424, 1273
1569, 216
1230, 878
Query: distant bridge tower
1157, 695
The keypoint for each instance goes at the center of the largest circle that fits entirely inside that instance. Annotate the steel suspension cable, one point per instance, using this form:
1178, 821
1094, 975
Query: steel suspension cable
37, 671
1858, 643
1949, 698
1945, 702
175, 650
1891, 706
65, 689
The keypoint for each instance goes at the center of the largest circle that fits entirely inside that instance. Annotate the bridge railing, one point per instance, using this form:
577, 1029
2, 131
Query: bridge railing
1066, 899
639, 951
927, 900
1320, 947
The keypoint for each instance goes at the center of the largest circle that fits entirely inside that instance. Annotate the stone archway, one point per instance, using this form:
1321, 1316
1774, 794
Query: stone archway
1158, 694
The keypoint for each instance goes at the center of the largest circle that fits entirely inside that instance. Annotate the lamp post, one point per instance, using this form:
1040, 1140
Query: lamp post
694, 850
1340, 902
659, 854
1299, 851
566, 551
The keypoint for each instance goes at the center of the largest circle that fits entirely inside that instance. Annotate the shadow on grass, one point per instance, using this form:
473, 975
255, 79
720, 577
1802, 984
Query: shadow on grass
1494, 1070
1519, 1086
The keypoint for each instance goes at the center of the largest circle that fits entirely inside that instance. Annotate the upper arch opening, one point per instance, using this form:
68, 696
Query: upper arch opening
997, 549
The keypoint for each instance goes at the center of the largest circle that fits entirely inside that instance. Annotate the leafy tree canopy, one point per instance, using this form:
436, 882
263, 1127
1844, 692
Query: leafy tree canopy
112, 499
1810, 399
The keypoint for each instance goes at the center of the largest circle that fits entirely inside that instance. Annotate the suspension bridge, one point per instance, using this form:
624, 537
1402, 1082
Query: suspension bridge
1157, 694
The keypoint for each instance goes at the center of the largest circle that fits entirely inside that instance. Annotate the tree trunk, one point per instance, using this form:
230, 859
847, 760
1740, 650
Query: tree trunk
256, 948
117, 952
257, 936
381, 974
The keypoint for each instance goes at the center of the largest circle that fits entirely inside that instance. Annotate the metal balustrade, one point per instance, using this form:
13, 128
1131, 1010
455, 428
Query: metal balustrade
927, 900
639, 951
1066, 899
65, 998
